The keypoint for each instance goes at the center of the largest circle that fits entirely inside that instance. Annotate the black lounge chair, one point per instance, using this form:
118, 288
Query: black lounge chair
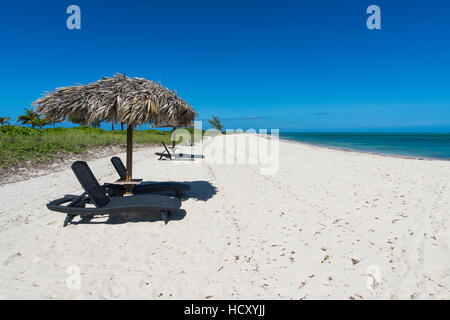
95, 194
144, 187
177, 156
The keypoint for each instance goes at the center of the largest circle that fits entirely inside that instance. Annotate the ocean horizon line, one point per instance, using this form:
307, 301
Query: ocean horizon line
411, 145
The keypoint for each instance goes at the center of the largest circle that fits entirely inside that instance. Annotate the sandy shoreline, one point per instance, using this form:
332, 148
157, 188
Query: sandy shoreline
329, 224
20, 173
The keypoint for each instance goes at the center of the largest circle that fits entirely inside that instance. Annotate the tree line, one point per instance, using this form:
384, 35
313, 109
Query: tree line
33, 119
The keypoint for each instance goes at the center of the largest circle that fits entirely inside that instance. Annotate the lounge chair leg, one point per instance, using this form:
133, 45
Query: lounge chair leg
165, 216
86, 217
68, 219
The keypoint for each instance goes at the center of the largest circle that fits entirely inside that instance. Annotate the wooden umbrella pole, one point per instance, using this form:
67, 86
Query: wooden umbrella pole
129, 152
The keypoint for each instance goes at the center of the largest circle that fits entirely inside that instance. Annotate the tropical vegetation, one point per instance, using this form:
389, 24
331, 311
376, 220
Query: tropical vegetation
119, 99
30, 117
215, 123
19, 145
4, 121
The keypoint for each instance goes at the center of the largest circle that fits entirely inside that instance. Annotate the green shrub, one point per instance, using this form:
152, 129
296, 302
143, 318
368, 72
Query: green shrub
20, 144
17, 131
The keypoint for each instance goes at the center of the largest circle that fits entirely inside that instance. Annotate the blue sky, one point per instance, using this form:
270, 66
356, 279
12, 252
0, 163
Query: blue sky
293, 65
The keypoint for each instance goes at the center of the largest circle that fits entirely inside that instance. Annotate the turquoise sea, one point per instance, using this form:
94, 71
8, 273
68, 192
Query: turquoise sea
416, 145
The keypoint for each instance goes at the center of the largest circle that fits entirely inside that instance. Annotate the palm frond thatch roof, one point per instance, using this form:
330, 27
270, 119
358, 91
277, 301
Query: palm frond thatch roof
133, 101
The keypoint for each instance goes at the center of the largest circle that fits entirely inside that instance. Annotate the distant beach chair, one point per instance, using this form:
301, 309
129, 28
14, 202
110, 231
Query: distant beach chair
177, 156
144, 187
95, 194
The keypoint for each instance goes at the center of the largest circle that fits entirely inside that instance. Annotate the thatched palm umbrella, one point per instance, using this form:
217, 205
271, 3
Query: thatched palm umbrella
121, 99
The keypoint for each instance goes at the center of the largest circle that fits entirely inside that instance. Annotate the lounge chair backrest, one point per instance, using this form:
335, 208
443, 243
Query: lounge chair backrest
90, 183
167, 150
120, 168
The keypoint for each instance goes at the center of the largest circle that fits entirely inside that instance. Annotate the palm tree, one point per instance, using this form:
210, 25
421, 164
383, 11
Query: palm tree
39, 122
54, 122
78, 119
4, 120
215, 122
95, 124
28, 117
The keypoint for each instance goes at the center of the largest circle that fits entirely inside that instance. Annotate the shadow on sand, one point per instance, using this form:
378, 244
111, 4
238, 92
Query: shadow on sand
200, 190
131, 217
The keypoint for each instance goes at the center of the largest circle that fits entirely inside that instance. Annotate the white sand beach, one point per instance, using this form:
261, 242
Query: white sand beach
329, 224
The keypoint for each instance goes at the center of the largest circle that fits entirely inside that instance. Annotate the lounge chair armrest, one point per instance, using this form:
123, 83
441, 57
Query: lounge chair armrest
60, 201
75, 201
76, 205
